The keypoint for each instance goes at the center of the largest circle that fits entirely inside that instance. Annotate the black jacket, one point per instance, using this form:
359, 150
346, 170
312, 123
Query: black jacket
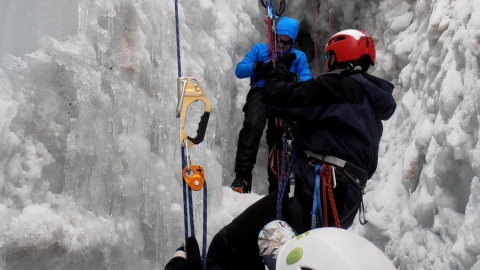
338, 114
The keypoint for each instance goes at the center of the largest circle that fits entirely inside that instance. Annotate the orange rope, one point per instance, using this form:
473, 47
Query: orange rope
332, 201
325, 175
327, 187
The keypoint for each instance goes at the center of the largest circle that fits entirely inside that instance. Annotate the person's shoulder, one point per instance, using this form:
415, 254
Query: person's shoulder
260, 46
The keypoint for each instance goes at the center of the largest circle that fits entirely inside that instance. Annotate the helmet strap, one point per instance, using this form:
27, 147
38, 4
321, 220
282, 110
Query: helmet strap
331, 62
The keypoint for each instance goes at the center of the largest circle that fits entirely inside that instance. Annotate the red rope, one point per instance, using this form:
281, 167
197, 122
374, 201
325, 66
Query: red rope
328, 18
332, 201
271, 41
325, 176
327, 188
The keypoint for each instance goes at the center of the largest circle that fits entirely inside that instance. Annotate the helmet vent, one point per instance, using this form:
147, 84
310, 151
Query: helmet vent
339, 38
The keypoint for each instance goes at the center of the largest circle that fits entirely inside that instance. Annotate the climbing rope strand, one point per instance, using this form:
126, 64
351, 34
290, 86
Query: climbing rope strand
204, 241
190, 206
185, 210
324, 179
328, 18
177, 30
281, 186
196, 182
332, 199
317, 205
284, 174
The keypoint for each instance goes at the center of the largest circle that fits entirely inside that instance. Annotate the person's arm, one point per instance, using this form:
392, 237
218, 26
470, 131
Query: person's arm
324, 90
186, 257
295, 101
244, 68
301, 67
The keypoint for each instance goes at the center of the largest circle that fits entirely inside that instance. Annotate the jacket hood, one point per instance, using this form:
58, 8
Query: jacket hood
379, 93
288, 27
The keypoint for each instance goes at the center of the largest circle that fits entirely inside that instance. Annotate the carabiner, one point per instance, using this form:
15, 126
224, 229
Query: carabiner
189, 91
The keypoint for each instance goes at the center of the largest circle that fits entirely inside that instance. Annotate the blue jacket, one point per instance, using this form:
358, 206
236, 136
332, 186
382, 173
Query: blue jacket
339, 114
259, 52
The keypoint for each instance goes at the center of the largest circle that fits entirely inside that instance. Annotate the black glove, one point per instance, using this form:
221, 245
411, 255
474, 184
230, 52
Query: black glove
192, 260
242, 185
295, 76
262, 69
285, 60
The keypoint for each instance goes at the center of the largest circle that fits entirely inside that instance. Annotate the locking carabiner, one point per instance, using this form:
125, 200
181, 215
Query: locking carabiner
189, 91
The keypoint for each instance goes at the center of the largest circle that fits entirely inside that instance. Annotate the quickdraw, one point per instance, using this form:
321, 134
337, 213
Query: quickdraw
271, 25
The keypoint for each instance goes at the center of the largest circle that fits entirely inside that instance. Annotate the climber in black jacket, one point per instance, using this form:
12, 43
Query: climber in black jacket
337, 126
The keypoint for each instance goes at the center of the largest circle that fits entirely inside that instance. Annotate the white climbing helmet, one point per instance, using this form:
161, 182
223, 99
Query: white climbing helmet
331, 248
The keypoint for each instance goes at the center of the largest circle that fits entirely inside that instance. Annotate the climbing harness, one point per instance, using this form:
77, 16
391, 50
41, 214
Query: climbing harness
193, 176
270, 22
326, 182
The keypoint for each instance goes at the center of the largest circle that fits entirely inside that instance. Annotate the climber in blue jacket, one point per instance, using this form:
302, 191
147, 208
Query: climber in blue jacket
256, 65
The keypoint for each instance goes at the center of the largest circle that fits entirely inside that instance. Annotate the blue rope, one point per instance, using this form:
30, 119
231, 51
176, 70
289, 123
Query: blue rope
317, 202
204, 241
284, 177
185, 210
185, 188
190, 205
177, 29
281, 185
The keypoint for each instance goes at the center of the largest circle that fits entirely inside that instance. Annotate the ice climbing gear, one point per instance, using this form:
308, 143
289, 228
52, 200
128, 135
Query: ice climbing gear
289, 154
323, 197
190, 91
270, 22
194, 178
350, 45
331, 248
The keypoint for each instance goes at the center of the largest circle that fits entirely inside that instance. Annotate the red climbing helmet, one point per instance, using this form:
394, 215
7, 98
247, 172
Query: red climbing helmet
350, 45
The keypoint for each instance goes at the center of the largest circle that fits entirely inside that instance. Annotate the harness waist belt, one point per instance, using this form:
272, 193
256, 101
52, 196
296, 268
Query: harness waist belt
360, 176
329, 159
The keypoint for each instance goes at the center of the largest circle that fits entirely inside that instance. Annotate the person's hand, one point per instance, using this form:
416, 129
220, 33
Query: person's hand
285, 60
262, 69
189, 260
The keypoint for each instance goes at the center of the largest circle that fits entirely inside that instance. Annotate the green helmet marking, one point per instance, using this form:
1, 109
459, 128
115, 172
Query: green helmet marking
295, 255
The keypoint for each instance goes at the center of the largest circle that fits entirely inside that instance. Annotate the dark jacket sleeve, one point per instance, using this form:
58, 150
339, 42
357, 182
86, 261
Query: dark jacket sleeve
292, 101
